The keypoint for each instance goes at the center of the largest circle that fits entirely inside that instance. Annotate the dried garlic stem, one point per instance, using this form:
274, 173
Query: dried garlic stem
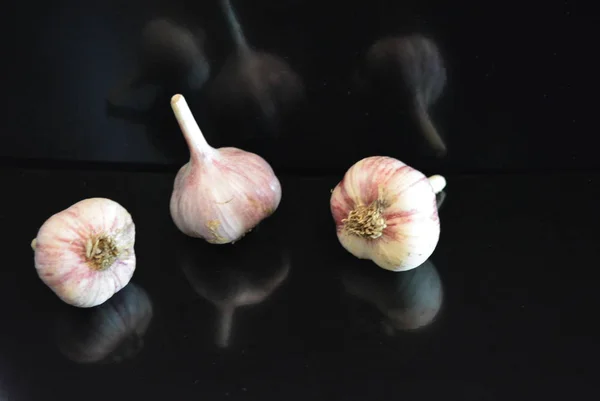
101, 252
199, 148
438, 183
33, 243
366, 221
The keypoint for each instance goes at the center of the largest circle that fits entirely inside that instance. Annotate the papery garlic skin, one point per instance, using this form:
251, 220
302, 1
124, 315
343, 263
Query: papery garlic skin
243, 190
85, 253
386, 211
221, 194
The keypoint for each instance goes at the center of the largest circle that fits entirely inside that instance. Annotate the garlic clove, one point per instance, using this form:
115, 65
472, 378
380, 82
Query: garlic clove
85, 254
386, 211
221, 194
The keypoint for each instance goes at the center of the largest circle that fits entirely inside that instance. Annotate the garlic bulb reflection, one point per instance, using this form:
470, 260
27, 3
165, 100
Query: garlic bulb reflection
242, 275
221, 194
109, 333
85, 253
409, 300
412, 66
386, 211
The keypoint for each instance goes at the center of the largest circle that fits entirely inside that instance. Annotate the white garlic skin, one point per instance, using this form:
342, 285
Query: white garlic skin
408, 227
220, 194
224, 197
71, 257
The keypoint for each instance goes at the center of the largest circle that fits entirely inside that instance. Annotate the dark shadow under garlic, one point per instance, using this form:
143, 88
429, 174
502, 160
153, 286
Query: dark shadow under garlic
253, 83
109, 333
169, 55
411, 70
409, 300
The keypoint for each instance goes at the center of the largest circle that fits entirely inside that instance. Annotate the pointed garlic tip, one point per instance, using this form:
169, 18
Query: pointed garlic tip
438, 183
33, 243
199, 148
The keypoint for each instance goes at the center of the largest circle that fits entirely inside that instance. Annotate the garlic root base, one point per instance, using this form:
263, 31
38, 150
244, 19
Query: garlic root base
85, 253
386, 211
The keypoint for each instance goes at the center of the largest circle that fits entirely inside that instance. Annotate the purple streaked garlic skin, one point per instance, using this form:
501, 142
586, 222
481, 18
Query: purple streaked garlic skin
220, 194
85, 253
386, 211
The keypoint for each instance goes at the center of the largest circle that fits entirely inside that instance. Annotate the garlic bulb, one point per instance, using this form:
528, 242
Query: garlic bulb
386, 211
221, 194
85, 253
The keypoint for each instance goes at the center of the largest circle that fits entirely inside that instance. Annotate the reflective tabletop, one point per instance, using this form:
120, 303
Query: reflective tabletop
504, 305
489, 95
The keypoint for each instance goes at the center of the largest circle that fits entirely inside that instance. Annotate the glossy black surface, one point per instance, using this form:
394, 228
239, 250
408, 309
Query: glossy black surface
505, 308
515, 98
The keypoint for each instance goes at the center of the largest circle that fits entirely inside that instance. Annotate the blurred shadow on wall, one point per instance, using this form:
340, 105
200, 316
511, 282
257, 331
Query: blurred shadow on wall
246, 105
259, 89
402, 77
171, 59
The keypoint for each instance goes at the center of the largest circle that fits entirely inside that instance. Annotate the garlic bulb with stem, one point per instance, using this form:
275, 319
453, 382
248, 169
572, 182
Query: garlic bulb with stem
386, 211
221, 194
111, 332
85, 253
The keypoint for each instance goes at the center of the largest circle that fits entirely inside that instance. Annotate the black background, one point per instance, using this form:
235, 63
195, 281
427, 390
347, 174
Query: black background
517, 257
519, 97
